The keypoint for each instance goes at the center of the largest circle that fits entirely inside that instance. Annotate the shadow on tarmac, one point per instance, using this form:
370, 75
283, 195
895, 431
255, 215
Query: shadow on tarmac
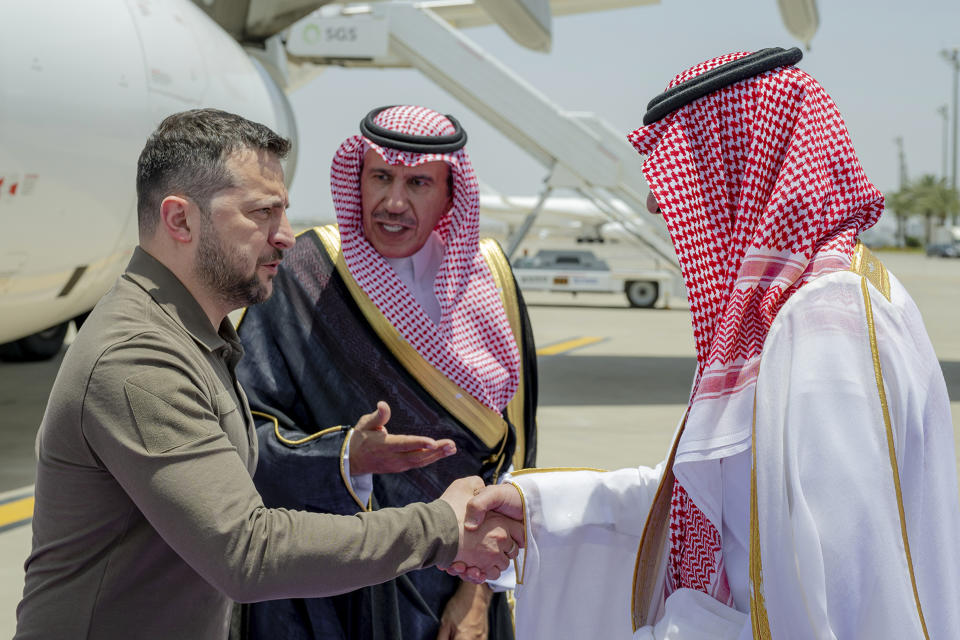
614, 380
24, 388
638, 380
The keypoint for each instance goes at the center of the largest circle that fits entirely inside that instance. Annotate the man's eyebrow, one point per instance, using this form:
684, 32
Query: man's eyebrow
270, 202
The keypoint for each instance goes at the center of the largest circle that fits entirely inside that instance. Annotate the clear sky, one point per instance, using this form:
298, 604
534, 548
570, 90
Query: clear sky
879, 59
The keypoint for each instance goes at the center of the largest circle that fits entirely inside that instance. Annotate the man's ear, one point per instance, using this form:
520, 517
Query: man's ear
174, 220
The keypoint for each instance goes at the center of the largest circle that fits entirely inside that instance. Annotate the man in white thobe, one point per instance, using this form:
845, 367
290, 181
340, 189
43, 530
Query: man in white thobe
811, 489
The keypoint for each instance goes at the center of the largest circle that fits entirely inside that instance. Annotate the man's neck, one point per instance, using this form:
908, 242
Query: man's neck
215, 312
418, 272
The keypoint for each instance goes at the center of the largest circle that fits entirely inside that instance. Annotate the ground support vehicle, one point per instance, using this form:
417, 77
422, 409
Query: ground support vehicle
582, 272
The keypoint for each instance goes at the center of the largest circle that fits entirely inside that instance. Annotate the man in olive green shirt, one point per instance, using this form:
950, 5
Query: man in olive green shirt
147, 522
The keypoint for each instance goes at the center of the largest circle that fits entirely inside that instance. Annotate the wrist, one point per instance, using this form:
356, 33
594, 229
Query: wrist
484, 593
479, 593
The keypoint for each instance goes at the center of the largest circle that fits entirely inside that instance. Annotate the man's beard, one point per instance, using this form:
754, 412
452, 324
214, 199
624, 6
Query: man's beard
221, 270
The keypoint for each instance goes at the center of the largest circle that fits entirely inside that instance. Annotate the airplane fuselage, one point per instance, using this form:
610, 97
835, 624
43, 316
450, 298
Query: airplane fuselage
82, 84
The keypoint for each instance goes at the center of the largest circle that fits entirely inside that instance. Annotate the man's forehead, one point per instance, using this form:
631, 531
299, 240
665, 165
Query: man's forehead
257, 173
373, 161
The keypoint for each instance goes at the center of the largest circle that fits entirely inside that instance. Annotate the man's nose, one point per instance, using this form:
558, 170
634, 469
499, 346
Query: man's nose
652, 205
396, 200
283, 238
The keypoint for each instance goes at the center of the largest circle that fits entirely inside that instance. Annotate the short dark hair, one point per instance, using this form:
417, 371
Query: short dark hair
187, 155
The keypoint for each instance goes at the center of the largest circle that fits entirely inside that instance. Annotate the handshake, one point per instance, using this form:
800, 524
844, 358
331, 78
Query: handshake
487, 542
490, 520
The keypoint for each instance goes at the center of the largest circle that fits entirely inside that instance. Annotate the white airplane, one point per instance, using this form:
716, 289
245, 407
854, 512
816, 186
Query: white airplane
82, 84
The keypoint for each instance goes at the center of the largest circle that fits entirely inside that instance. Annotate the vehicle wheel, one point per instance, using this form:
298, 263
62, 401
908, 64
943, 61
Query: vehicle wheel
642, 293
39, 346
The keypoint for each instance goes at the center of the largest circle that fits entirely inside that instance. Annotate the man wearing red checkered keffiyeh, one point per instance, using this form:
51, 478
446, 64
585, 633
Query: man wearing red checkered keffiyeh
401, 301
811, 490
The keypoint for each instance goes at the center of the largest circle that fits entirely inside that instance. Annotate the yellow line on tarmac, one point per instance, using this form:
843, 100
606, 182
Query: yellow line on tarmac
16, 511
568, 345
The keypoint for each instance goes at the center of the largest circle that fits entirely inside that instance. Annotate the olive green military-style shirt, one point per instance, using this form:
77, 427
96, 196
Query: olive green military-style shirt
147, 522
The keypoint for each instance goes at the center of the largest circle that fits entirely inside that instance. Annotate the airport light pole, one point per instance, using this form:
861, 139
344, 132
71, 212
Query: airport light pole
944, 112
952, 56
901, 162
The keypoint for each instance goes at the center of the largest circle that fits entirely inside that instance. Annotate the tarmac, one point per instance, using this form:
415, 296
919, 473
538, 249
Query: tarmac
613, 384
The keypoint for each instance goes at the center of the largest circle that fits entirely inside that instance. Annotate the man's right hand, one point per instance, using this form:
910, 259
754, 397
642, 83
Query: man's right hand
374, 450
486, 548
494, 501
501, 498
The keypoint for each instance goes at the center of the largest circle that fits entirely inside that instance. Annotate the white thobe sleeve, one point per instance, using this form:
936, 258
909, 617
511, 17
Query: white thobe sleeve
583, 531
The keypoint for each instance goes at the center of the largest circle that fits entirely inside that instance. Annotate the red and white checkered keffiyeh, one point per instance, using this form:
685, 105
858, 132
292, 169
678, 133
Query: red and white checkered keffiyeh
473, 344
761, 191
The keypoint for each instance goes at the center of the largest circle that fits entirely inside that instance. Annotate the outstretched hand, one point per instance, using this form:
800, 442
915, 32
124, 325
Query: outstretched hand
374, 450
486, 547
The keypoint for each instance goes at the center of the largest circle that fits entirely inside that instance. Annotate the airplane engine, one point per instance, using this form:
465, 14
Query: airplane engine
82, 85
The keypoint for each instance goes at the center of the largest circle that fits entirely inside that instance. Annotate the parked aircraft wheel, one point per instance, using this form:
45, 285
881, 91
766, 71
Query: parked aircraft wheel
39, 346
642, 293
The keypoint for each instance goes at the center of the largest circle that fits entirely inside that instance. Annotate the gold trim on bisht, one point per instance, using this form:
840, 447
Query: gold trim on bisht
521, 572
503, 277
891, 448
243, 314
758, 605
651, 554
485, 423
865, 264
311, 438
532, 470
289, 442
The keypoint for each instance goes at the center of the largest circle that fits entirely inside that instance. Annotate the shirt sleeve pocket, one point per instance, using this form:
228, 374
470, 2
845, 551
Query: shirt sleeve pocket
168, 418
